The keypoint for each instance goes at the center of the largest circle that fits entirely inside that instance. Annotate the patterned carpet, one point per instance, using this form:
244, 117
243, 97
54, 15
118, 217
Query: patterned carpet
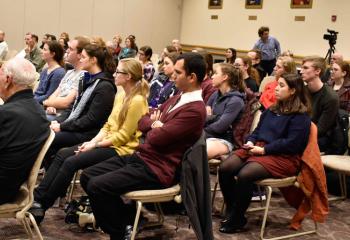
337, 225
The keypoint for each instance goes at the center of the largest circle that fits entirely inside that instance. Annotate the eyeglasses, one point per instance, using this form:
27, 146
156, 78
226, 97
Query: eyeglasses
120, 72
237, 65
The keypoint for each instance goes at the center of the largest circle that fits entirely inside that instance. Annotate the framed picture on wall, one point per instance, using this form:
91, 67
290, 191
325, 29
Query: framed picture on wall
215, 4
301, 4
253, 4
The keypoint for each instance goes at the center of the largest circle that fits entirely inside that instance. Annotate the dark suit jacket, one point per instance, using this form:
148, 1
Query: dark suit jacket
23, 130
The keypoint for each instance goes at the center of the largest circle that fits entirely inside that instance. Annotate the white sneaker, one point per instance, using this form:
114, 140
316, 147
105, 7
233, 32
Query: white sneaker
257, 198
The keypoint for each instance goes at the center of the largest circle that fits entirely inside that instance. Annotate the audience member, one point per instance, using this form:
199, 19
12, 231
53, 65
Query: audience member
230, 55
273, 150
283, 65
51, 38
65, 35
335, 58
325, 102
145, 54
44, 40
165, 53
340, 82
255, 56
117, 40
64, 43
269, 47
129, 50
51, 76
207, 85
118, 137
163, 87
67, 91
33, 52
250, 75
287, 53
98, 41
3, 46
223, 109
24, 127
169, 132
135, 45
92, 106
177, 45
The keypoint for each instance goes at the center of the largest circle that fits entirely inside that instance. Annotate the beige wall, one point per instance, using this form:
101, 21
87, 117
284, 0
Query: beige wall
232, 29
153, 22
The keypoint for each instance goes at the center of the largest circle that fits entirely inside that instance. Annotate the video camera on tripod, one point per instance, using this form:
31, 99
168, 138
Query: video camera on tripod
331, 37
332, 40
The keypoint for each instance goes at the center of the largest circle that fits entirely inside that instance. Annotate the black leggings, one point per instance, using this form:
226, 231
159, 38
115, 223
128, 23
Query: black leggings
236, 181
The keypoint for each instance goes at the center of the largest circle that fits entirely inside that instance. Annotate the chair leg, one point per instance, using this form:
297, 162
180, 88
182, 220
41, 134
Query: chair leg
345, 191
160, 214
36, 228
262, 231
215, 187
26, 227
343, 188
137, 217
71, 188
268, 199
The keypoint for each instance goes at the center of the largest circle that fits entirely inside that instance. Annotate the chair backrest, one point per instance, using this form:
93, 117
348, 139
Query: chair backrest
256, 120
35, 169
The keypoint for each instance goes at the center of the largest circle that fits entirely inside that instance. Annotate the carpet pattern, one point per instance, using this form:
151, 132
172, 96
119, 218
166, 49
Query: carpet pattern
336, 227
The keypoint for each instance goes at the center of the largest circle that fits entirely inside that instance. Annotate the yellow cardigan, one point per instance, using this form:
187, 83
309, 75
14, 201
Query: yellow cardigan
125, 139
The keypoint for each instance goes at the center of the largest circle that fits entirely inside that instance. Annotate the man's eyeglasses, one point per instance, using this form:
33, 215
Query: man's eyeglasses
120, 72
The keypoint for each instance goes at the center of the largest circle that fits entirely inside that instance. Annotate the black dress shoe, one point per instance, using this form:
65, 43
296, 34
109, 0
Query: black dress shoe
233, 227
38, 212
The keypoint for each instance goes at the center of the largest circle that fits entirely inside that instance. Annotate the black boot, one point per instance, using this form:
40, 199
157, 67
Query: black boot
38, 212
233, 225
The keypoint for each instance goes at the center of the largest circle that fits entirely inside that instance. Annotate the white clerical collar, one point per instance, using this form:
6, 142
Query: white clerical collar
188, 97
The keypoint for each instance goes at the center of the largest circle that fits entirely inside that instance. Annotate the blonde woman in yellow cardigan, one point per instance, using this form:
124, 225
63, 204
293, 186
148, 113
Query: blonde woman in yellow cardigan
119, 136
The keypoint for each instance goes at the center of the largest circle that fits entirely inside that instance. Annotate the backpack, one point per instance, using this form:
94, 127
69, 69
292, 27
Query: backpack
339, 135
241, 129
76, 208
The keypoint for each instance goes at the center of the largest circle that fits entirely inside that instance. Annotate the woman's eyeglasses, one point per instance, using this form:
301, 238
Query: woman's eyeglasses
120, 72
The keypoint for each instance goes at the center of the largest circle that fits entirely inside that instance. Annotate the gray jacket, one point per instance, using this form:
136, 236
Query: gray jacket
226, 110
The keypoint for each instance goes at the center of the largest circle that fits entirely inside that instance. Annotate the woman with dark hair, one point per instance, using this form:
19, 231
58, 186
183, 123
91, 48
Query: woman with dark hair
119, 136
274, 149
145, 54
340, 82
223, 109
44, 40
230, 55
64, 43
129, 50
93, 104
51, 76
207, 86
250, 75
163, 87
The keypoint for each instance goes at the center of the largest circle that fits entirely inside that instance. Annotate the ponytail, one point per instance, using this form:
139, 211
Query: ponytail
141, 87
103, 56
